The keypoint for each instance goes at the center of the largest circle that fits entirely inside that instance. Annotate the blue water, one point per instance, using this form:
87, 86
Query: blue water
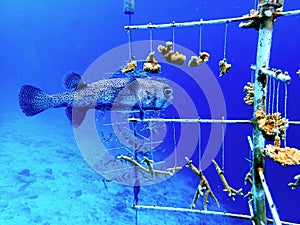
46, 179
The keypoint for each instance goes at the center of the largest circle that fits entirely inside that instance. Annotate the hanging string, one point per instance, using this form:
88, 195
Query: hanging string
129, 40
175, 146
223, 146
151, 150
225, 40
255, 4
173, 36
270, 94
151, 39
285, 111
277, 97
277, 105
273, 95
199, 146
200, 38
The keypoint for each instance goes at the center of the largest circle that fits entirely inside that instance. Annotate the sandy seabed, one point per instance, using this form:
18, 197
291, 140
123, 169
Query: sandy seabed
45, 180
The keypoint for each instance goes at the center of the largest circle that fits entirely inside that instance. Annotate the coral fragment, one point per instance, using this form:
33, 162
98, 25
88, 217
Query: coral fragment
224, 67
249, 90
196, 61
169, 54
285, 156
129, 67
271, 125
151, 65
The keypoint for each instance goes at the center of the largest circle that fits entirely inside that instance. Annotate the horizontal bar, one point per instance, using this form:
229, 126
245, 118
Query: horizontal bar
207, 22
193, 23
189, 120
277, 74
293, 122
168, 120
205, 212
269, 198
289, 13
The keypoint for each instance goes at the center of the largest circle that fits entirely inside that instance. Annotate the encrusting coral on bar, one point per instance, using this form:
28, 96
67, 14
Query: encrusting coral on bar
297, 182
196, 61
285, 156
253, 23
203, 187
169, 54
271, 125
151, 65
129, 67
249, 90
149, 163
231, 191
224, 67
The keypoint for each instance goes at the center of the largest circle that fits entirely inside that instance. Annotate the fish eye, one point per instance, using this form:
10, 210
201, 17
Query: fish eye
168, 91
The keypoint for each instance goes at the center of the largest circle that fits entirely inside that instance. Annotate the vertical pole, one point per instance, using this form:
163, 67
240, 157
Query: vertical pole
262, 60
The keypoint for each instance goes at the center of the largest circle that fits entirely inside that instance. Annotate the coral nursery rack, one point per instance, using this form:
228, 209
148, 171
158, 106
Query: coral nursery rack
261, 19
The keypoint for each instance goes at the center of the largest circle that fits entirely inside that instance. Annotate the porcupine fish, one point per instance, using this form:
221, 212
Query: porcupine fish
118, 94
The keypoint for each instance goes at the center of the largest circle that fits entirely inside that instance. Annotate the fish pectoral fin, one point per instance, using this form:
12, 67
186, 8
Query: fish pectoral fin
133, 85
72, 81
76, 115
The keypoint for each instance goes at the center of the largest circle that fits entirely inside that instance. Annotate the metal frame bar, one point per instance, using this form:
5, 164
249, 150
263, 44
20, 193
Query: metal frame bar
269, 198
206, 22
174, 120
204, 212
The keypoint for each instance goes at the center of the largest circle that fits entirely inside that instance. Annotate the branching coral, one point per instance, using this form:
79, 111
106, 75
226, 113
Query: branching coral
224, 67
297, 182
248, 179
249, 90
271, 125
129, 67
285, 156
169, 54
151, 65
150, 168
231, 192
196, 61
202, 187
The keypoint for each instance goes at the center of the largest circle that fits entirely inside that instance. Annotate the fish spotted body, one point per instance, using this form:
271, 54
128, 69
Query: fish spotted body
120, 94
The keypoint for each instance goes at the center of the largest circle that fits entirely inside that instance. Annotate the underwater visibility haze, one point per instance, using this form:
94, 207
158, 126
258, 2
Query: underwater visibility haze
100, 124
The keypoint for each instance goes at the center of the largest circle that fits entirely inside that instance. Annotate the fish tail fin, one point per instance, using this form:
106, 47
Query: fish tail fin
33, 100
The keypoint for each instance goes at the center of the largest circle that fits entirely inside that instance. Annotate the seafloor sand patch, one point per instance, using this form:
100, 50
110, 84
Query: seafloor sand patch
46, 181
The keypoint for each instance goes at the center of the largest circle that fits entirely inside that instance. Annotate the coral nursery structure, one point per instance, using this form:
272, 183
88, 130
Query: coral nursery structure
267, 126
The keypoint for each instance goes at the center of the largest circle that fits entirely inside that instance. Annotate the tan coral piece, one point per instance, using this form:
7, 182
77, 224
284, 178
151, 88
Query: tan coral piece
129, 67
271, 125
285, 156
297, 182
224, 67
249, 90
231, 191
298, 72
203, 187
169, 54
151, 65
151, 170
196, 61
